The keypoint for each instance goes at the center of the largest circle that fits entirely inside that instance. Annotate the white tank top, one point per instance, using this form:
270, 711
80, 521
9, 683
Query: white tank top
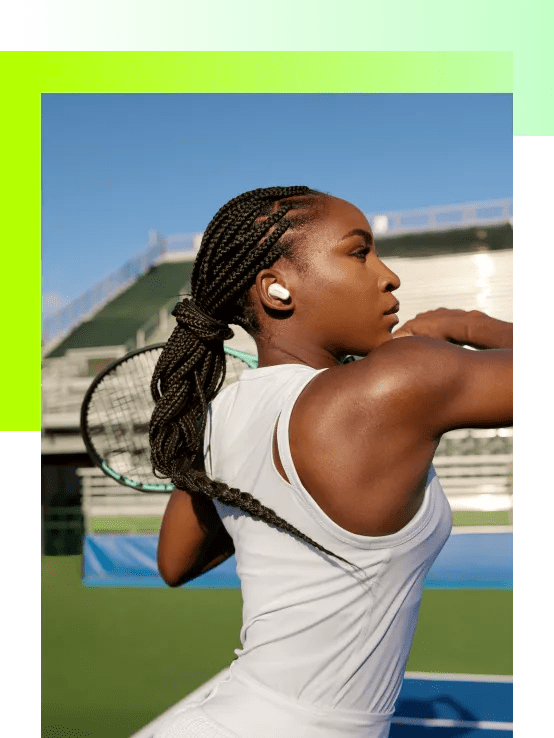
316, 632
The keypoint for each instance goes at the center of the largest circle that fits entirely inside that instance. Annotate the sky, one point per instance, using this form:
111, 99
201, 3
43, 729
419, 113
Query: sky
116, 166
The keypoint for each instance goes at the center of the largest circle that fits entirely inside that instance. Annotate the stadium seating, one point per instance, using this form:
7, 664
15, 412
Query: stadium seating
118, 322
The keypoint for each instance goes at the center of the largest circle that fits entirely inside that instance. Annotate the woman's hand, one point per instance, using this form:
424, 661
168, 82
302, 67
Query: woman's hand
463, 327
445, 324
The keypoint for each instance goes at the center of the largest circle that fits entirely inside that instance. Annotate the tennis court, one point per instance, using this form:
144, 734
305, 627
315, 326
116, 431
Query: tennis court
115, 657
123, 649
119, 647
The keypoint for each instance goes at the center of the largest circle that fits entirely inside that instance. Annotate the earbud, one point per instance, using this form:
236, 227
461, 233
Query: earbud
277, 290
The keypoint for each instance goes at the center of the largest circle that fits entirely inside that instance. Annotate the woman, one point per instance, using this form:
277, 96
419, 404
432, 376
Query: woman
318, 473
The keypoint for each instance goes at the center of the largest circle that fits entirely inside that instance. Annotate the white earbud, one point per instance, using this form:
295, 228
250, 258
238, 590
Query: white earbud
277, 290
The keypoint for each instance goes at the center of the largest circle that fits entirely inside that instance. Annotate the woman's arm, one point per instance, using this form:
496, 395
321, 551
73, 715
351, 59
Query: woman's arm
434, 386
484, 332
465, 389
447, 386
420, 386
370, 428
218, 550
192, 538
465, 328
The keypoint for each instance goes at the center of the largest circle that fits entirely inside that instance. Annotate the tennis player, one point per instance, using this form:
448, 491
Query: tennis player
317, 473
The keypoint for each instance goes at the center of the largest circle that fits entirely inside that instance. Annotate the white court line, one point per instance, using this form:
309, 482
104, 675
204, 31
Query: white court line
482, 529
203, 691
441, 677
444, 723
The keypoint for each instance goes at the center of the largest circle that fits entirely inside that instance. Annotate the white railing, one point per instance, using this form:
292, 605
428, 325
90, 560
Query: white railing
183, 242
442, 218
56, 326
104, 498
475, 467
478, 481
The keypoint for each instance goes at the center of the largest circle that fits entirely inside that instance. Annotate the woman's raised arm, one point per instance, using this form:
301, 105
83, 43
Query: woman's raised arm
441, 386
466, 328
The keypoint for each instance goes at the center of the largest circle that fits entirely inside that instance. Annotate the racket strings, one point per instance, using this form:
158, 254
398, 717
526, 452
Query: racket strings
121, 405
119, 414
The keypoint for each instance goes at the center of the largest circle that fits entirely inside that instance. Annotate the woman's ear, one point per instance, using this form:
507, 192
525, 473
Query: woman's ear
273, 291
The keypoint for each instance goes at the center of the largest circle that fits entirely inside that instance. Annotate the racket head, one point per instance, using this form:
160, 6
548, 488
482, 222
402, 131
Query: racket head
116, 412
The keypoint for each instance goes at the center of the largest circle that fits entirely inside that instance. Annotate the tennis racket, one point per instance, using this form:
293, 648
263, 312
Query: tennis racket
116, 412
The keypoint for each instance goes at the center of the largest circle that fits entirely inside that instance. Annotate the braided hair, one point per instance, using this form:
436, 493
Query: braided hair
246, 235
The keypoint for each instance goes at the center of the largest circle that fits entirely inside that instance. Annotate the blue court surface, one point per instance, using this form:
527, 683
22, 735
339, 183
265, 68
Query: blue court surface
430, 704
469, 560
448, 705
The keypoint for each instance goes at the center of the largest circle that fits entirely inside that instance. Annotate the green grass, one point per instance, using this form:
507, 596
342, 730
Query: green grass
481, 517
113, 659
152, 523
126, 524
464, 632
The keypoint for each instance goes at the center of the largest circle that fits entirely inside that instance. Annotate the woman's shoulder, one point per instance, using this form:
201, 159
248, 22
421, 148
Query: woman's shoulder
362, 435
398, 370
427, 385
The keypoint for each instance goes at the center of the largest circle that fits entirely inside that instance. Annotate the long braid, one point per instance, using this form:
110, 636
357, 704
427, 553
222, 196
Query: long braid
244, 237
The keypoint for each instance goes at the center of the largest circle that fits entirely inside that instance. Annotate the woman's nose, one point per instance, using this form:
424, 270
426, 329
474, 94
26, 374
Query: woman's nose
391, 280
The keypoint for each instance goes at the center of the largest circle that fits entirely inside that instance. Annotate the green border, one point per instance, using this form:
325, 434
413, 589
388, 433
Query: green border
24, 77
270, 71
524, 29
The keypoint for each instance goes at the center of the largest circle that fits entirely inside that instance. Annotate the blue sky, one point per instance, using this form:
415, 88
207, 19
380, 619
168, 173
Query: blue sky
115, 166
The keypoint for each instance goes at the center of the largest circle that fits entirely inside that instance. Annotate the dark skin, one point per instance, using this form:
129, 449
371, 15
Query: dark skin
192, 539
362, 435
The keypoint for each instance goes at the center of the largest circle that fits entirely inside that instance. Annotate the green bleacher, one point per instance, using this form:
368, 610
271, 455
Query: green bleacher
123, 316
453, 241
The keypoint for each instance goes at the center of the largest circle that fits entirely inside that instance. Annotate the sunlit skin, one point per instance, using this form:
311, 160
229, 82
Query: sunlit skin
362, 435
338, 299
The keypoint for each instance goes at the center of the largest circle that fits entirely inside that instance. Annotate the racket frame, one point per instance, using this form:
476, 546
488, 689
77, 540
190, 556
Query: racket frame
248, 359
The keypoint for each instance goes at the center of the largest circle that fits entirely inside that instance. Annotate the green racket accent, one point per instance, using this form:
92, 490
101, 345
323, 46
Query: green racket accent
146, 487
116, 412
252, 361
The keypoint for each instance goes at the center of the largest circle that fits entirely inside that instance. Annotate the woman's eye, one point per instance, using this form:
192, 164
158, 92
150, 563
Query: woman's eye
361, 254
